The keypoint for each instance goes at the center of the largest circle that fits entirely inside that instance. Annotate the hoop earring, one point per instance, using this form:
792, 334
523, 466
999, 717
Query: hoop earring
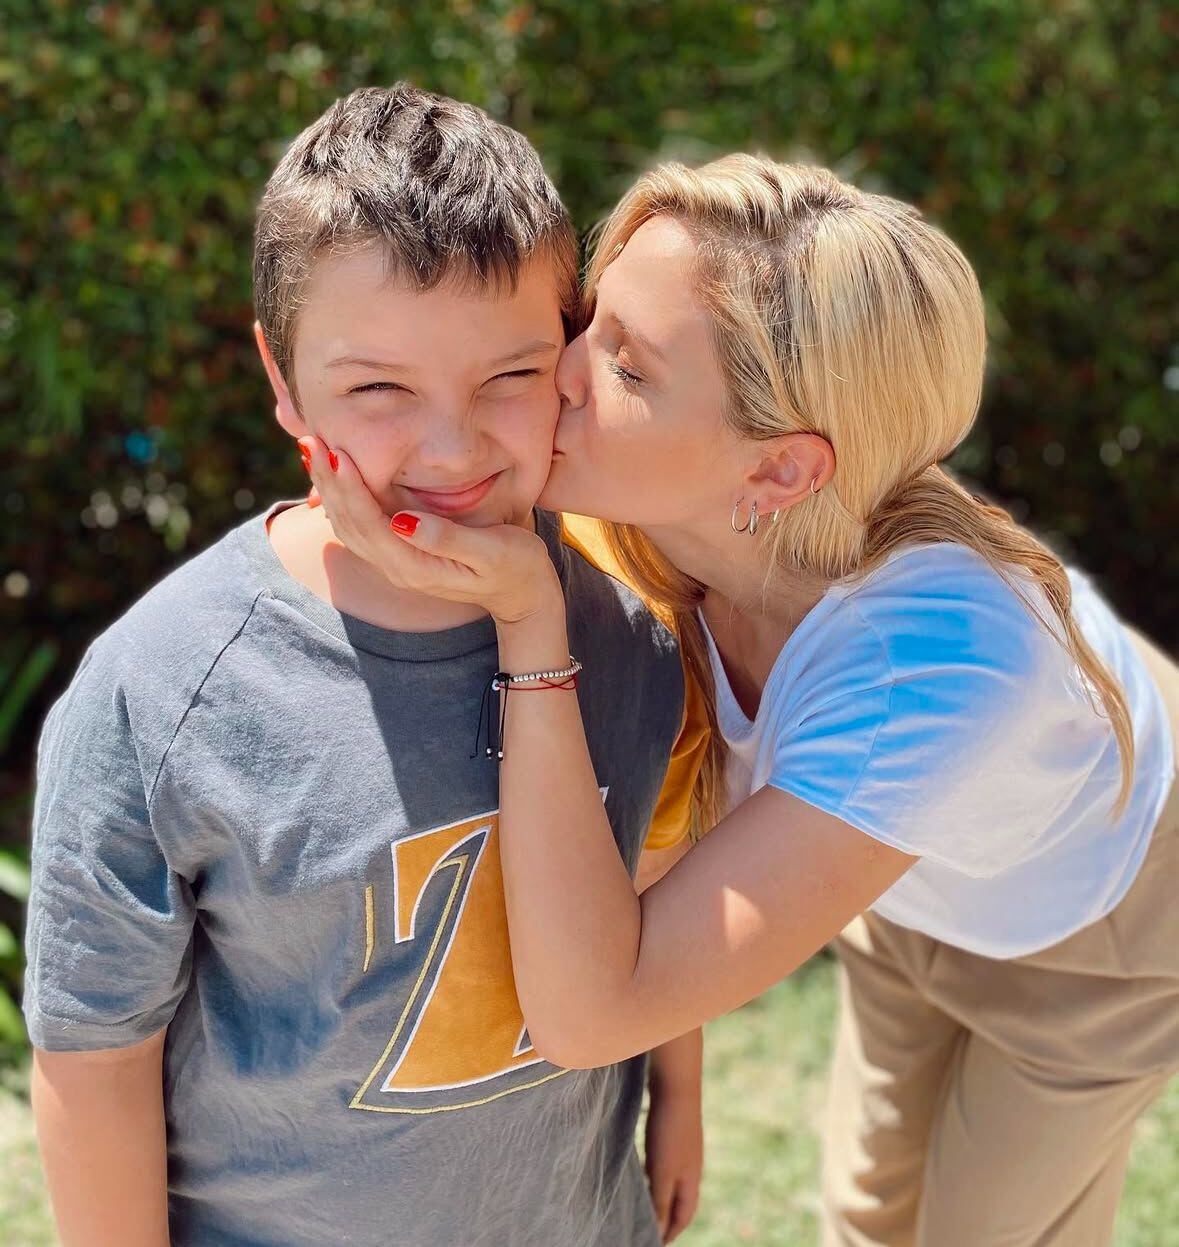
813, 489
750, 525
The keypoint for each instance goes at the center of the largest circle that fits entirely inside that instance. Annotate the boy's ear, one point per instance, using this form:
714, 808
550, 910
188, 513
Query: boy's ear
285, 411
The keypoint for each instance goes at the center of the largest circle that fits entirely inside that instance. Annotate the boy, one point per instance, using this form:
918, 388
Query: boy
269, 980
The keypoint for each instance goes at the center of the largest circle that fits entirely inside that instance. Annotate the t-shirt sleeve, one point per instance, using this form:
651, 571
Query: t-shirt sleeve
948, 726
110, 924
672, 818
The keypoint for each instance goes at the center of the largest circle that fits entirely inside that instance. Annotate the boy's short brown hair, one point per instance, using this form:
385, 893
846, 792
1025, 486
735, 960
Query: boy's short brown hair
442, 190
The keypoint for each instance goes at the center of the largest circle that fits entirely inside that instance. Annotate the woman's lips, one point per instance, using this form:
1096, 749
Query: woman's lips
455, 501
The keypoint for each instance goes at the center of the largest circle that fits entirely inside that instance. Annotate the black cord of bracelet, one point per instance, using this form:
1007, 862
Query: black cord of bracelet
502, 682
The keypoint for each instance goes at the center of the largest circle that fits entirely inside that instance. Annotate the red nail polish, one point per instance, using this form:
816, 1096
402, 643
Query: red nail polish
333, 461
404, 524
306, 455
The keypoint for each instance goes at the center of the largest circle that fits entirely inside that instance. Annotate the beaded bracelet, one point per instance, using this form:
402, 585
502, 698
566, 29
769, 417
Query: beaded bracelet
503, 679
504, 682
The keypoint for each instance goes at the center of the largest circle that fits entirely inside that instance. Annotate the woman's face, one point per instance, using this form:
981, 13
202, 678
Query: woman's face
641, 437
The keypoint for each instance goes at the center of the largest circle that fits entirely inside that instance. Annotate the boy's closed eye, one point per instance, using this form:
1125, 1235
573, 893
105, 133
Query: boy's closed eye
382, 387
378, 387
512, 381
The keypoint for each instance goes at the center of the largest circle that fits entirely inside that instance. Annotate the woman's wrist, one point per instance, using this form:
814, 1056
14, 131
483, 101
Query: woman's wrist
536, 642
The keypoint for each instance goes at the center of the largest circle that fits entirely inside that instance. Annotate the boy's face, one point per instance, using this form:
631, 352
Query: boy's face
445, 400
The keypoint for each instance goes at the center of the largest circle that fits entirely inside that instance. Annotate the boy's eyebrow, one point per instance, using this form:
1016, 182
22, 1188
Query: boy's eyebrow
532, 348
387, 365
631, 332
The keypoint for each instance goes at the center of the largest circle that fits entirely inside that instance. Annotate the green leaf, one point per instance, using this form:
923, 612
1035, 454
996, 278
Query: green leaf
12, 1025
14, 875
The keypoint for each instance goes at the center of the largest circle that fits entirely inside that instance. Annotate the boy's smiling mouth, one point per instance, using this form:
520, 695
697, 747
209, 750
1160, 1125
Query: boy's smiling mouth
454, 500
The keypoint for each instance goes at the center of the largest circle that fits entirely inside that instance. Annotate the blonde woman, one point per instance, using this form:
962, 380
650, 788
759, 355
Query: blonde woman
917, 715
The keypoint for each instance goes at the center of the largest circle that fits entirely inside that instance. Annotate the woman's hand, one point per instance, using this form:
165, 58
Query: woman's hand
504, 569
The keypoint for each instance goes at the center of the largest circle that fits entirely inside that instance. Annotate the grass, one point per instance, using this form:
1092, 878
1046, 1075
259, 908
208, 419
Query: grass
763, 1095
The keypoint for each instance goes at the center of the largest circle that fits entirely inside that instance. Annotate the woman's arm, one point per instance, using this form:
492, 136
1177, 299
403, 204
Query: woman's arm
602, 973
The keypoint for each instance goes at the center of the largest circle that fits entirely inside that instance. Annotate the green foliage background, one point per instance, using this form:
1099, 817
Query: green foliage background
136, 137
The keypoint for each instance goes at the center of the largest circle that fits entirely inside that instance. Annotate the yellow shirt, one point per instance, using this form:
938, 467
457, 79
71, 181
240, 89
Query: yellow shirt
670, 822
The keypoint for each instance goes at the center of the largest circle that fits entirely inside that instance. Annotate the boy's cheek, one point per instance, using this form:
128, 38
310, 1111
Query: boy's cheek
533, 427
380, 448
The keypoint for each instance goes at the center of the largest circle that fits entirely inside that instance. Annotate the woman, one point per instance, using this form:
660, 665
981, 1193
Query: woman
917, 715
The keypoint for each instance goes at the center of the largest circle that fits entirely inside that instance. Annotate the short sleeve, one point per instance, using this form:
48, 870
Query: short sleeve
943, 719
672, 818
110, 924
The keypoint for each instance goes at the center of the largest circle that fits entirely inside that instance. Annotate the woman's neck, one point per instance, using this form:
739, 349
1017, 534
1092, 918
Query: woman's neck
750, 605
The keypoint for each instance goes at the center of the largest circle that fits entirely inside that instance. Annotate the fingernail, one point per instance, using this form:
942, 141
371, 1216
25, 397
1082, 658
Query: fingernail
404, 524
333, 461
306, 456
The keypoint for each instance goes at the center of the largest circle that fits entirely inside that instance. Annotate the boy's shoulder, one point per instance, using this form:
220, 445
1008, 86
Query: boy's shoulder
139, 676
192, 612
585, 543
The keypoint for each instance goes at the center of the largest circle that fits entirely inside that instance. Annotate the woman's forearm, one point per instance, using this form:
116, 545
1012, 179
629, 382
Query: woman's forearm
573, 947
603, 974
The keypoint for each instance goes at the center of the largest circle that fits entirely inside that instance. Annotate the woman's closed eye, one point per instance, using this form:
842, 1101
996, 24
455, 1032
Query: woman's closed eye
623, 375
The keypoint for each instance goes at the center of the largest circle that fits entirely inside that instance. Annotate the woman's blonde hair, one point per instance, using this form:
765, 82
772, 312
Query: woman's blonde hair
844, 314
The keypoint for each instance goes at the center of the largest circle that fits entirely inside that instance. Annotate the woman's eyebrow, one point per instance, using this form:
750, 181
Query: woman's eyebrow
631, 332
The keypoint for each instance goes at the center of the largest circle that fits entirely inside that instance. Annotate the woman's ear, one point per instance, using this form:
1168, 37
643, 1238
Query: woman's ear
285, 411
791, 468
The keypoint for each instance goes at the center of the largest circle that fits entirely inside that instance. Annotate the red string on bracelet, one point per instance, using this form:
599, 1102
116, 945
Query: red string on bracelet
567, 683
501, 683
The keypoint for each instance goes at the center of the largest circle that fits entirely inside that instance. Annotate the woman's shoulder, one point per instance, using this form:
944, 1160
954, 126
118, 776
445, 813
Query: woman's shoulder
943, 598
932, 626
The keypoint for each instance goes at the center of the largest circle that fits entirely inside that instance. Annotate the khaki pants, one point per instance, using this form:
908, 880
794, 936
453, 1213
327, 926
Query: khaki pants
985, 1103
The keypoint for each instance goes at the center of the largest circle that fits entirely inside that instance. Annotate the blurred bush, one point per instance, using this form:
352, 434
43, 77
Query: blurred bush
136, 137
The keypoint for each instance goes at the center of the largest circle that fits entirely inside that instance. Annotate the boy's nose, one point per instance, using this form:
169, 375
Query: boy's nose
449, 441
572, 372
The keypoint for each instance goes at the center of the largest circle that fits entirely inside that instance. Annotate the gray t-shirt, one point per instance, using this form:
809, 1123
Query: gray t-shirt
257, 823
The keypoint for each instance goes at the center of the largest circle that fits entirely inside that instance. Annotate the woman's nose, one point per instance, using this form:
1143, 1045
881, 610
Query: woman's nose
572, 374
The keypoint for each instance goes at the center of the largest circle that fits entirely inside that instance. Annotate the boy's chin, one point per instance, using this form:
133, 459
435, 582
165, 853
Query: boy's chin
552, 496
493, 517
